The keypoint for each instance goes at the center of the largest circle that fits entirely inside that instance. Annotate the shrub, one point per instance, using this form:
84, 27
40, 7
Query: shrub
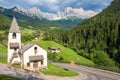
101, 58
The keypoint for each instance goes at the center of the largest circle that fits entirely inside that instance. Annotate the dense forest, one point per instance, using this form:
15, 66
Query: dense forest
68, 23
4, 22
4, 26
97, 39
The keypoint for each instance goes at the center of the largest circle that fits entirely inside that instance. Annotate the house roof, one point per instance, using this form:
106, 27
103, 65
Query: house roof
36, 58
26, 47
14, 45
14, 27
53, 48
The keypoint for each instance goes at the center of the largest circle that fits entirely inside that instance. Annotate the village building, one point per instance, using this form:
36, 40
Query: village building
30, 56
54, 49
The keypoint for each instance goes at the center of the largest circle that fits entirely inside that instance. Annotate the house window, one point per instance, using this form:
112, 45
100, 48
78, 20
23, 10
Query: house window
41, 62
28, 64
35, 49
14, 35
15, 49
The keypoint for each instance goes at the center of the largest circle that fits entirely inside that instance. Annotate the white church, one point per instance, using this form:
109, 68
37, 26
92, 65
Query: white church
30, 56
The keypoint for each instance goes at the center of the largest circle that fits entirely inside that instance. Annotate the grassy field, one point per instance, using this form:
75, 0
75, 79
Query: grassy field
3, 49
3, 52
67, 53
16, 65
3, 77
26, 31
3, 59
58, 71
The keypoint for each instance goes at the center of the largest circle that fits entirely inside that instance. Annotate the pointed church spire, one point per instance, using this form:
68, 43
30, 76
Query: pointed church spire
14, 26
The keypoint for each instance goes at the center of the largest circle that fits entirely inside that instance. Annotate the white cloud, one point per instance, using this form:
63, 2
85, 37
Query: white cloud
57, 5
51, 5
43, 2
33, 1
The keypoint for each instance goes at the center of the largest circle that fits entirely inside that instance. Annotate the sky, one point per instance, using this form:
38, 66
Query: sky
53, 6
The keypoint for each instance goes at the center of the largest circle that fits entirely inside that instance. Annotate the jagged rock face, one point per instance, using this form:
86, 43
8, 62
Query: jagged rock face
67, 13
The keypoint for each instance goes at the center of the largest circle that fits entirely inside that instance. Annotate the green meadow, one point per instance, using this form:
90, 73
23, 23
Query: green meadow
3, 52
58, 71
3, 49
67, 54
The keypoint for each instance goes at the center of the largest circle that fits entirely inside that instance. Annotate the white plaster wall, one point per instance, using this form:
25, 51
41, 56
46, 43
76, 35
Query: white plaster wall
18, 38
30, 52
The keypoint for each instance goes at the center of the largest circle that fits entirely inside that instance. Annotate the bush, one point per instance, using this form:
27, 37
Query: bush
101, 58
52, 56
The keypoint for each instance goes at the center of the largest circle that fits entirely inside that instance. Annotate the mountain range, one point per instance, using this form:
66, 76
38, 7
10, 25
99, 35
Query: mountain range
68, 13
36, 18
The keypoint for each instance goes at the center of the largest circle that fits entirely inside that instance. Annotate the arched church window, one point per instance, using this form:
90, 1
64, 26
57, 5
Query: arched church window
14, 36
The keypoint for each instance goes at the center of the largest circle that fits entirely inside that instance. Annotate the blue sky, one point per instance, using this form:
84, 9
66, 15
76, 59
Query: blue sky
54, 6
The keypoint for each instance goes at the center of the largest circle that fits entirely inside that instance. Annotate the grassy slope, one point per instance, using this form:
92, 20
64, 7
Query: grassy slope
3, 50
26, 31
67, 53
58, 71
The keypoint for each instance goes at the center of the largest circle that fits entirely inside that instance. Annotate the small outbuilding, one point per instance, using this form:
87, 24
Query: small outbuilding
54, 49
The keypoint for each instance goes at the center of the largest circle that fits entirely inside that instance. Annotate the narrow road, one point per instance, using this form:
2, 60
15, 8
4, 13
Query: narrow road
91, 73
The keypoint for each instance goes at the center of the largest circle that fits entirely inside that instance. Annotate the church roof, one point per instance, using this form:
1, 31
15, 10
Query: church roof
14, 27
36, 58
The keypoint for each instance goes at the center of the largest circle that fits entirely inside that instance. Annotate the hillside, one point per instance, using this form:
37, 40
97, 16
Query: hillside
100, 33
4, 26
67, 54
3, 49
4, 22
25, 21
68, 23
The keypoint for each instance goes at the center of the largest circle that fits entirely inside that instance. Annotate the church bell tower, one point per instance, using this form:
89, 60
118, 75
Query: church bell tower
14, 42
